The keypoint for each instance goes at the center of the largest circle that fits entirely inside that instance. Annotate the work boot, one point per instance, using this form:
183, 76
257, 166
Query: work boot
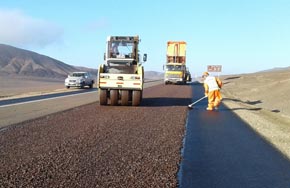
209, 109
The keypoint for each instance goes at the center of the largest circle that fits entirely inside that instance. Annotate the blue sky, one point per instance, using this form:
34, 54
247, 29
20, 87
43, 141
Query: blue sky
241, 35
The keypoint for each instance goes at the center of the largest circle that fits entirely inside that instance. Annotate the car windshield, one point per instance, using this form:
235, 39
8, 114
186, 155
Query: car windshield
78, 74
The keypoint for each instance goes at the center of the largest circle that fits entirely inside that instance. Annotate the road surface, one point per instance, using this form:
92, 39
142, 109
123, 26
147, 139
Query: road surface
23, 100
221, 150
17, 110
119, 146
99, 146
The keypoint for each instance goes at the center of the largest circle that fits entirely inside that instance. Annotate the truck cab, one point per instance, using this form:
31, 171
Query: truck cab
175, 67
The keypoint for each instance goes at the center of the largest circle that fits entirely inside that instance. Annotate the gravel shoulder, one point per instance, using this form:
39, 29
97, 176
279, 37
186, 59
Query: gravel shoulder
262, 100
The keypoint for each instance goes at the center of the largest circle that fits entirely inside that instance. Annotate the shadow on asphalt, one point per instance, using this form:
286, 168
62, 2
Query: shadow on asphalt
244, 102
232, 78
159, 102
250, 109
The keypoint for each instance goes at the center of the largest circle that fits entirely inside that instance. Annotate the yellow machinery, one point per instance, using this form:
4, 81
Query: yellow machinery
121, 77
175, 67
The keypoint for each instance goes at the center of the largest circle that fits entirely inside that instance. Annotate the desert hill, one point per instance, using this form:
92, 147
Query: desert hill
19, 62
268, 89
153, 75
262, 100
16, 62
276, 69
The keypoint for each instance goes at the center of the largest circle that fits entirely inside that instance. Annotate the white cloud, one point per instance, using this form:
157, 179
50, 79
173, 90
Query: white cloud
21, 30
99, 24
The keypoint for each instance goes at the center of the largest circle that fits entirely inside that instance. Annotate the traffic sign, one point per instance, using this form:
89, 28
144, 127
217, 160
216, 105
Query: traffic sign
214, 68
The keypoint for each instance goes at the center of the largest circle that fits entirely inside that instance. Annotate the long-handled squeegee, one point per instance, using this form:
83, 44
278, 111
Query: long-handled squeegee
190, 105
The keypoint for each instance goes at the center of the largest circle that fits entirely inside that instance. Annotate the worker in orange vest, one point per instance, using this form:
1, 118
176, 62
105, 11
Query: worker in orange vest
212, 86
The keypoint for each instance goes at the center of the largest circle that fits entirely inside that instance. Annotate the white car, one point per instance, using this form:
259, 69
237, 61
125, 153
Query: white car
79, 79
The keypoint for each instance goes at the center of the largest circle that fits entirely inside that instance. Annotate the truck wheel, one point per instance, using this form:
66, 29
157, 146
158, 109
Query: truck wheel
114, 97
124, 97
82, 85
67, 87
136, 98
103, 96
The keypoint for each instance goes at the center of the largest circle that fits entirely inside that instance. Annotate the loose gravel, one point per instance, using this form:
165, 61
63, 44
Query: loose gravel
99, 146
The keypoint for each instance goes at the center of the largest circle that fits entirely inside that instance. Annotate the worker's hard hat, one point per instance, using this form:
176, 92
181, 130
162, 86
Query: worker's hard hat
205, 74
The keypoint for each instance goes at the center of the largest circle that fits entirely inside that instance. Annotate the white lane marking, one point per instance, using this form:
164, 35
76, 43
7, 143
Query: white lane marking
39, 100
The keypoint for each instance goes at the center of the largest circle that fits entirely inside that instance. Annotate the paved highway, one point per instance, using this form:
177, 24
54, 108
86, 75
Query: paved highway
14, 111
98, 146
17, 101
220, 150
85, 148
23, 100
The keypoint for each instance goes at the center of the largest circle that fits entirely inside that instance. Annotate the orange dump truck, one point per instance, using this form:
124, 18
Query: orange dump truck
175, 67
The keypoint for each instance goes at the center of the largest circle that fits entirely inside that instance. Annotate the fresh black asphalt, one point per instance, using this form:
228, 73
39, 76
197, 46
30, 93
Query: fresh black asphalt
222, 151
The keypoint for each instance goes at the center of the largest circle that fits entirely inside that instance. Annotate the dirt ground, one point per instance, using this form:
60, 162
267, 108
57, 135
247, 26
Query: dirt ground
21, 87
262, 100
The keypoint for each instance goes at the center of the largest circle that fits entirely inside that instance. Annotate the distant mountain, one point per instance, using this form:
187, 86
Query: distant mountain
19, 62
24, 63
276, 69
94, 72
153, 75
